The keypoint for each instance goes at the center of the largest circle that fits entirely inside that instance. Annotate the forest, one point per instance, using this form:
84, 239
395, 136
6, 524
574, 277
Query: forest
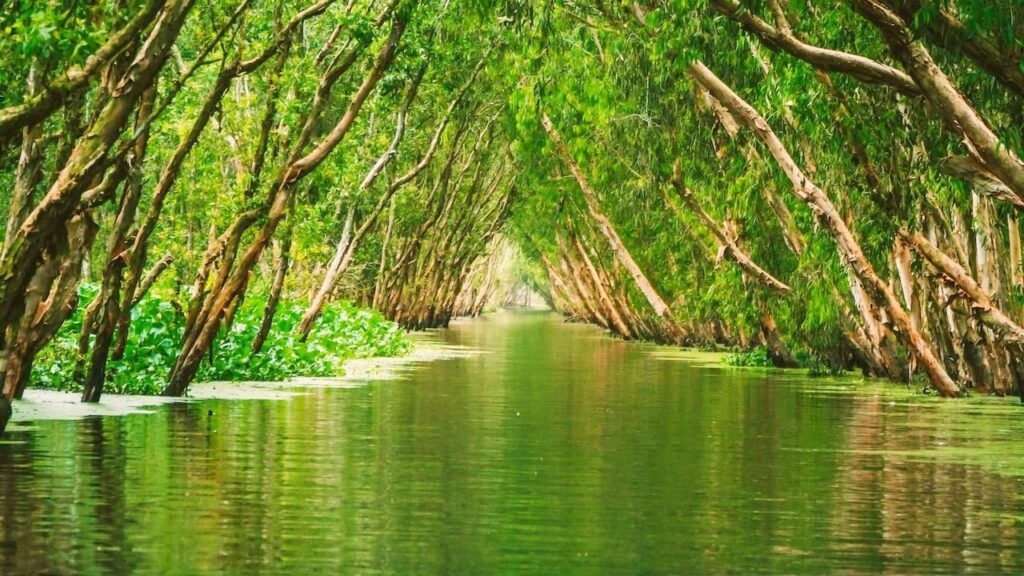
258, 189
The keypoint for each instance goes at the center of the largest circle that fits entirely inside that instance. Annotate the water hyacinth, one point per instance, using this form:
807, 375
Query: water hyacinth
344, 331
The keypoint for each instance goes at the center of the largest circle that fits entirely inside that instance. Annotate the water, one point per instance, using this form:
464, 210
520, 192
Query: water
556, 450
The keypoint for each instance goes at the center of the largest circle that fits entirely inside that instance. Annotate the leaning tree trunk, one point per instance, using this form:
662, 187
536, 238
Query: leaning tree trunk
1009, 332
169, 174
274, 298
847, 245
87, 162
27, 176
107, 301
955, 110
201, 337
729, 246
337, 265
778, 352
605, 225
602, 292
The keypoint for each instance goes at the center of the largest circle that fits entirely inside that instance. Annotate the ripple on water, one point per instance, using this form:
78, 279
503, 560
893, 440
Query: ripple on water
525, 445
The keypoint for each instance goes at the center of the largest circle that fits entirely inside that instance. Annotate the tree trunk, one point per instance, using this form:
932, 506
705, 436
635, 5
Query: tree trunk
725, 240
107, 301
605, 226
1016, 266
334, 270
778, 352
198, 340
602, 292
954, 109
849, 249
1008, 331
27, 176
47, 223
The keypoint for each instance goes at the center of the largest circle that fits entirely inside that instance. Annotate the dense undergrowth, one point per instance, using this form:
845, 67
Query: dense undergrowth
344, 331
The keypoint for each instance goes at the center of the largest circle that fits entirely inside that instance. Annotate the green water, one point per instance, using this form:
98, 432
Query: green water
555, 450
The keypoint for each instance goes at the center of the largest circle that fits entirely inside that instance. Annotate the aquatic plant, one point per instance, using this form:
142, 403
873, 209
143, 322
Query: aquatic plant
345, 331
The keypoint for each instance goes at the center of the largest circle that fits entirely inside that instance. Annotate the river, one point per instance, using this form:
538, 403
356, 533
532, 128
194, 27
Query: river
551, 449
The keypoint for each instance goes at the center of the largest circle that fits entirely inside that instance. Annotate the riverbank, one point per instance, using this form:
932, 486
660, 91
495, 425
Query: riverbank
40, 404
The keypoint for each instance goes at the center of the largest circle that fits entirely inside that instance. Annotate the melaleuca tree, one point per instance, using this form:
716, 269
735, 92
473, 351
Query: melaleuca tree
838, 182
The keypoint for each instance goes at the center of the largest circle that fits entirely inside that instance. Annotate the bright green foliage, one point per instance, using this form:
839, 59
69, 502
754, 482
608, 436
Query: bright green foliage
345, 331
615, 79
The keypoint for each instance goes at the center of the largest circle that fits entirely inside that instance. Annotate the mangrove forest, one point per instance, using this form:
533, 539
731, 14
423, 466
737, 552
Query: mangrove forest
512, 286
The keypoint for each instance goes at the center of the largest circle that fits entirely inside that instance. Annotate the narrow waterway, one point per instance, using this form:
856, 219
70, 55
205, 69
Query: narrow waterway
553, 450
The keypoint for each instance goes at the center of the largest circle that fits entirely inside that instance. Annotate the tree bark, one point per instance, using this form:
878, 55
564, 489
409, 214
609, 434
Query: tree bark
1016, 265
849, 249
1002, 62
604, 224
28, 174
274, 298
1008, 331
198, 341
781, 37
778, 353
602, 292
107, 301
998, 157
87, 160
46, 223
334, 270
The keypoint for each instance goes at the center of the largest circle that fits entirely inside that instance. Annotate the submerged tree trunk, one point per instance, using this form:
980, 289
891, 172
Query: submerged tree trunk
602, 292
51, 300
107, 301
778, 353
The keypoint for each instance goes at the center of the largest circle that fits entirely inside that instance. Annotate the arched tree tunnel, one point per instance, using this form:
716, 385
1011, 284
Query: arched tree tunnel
717, 173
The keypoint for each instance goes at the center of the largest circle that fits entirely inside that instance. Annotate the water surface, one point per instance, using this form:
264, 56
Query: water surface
555, 450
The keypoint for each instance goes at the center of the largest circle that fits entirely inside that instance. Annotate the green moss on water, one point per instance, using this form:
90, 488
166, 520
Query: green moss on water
977, 430
698, 358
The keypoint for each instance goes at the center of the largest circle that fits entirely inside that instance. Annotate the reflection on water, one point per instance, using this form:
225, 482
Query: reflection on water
558, 451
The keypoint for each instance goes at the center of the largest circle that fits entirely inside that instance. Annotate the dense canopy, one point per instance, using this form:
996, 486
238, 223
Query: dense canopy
837, 184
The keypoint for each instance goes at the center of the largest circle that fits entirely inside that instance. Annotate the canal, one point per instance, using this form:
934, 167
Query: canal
541, 448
